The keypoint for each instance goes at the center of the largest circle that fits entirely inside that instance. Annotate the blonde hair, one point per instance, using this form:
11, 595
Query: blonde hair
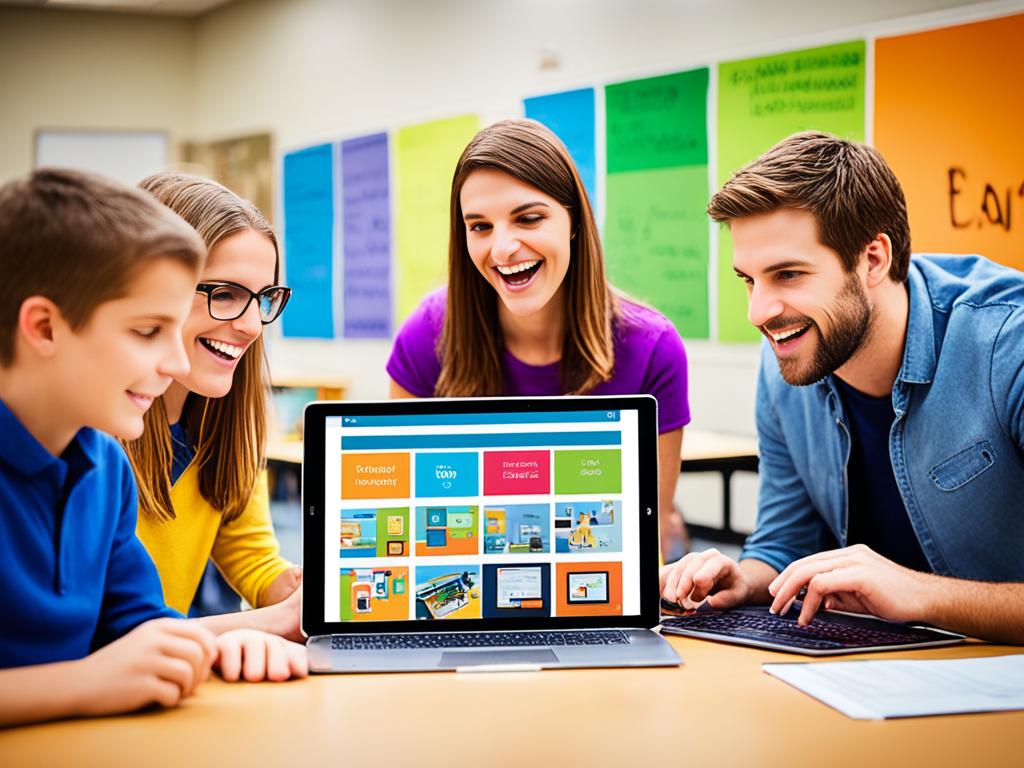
231, 431
471, 339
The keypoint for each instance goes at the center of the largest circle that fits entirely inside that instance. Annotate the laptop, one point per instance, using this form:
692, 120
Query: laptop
481, 534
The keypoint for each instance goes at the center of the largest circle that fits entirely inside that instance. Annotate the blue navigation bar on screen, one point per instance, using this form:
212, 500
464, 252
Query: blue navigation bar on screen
482, 440
437, 419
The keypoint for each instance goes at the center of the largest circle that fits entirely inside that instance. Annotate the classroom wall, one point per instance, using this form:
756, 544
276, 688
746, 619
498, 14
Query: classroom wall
311, 70
80, 69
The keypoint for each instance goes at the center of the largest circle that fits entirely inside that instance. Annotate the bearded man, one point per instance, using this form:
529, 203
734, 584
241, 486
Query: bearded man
890, 405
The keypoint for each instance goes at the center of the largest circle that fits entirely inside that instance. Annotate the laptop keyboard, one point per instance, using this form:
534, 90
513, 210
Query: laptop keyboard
389, 642
770, 628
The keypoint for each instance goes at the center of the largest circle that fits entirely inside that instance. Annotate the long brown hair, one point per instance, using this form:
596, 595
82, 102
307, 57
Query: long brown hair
231, 431
471, 340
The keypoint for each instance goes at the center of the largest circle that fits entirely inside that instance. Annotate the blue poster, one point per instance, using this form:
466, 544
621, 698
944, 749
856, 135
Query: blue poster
571, 116
366, 239
309, 242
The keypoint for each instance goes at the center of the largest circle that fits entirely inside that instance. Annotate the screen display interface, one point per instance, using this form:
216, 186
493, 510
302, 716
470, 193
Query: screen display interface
478, 516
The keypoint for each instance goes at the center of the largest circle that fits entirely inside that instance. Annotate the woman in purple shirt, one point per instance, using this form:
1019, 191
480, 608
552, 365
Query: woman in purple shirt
528, 310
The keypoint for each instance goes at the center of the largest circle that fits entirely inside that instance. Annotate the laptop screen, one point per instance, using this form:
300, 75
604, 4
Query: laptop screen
468, 516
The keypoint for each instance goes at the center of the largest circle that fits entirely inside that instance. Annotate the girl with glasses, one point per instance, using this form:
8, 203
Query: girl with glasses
528, 309
200, 463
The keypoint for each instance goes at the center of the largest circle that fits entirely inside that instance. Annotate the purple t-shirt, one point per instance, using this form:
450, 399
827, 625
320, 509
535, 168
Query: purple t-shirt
649, 360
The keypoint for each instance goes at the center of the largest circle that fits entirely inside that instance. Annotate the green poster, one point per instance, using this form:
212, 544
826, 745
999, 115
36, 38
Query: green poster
426, 158
658, 122
760, 102
598, 471
656, 242
656, 234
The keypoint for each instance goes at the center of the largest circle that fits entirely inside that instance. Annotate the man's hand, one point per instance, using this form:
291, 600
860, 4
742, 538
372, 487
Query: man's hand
161, 661
710, 575
855, 579
256, 656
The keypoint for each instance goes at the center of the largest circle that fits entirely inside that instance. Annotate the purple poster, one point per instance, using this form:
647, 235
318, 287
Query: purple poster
366, 236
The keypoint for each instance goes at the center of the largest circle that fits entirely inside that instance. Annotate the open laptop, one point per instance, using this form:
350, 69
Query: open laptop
478, 534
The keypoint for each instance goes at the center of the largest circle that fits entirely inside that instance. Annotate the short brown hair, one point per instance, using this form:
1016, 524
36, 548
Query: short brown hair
78, 239
471, 341
852, 192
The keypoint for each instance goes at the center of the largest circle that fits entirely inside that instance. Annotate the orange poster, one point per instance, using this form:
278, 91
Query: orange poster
949, 119
374, 475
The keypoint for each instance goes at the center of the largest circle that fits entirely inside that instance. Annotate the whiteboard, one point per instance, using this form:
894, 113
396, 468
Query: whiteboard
127, 156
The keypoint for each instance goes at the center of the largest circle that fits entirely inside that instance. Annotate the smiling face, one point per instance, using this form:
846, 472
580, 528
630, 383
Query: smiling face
518, 238
214, 347
127, 353
814, 313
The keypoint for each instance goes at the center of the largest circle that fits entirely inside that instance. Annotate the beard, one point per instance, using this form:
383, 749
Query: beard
849, 321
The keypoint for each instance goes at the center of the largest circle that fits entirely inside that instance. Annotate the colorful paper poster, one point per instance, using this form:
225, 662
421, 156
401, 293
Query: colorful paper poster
426, 159
760, 102
309, 242
658, 122
570, 115
948, 120
366, 237
656, 232
656, 236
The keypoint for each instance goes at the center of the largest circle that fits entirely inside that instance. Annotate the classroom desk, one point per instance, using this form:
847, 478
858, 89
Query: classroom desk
719, 709
715, 452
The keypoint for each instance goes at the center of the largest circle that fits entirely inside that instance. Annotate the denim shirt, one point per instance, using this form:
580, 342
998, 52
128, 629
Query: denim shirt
956, 445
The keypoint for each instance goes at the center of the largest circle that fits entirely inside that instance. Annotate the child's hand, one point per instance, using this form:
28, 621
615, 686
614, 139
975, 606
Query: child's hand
285, 595
255, 656
284, 618
161, 661
284, 585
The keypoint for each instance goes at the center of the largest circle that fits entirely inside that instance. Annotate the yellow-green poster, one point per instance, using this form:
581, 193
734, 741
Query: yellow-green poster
426, 158
760, 102
656, 232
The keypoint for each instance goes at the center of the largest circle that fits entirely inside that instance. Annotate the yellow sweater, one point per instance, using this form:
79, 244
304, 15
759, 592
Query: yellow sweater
245, 550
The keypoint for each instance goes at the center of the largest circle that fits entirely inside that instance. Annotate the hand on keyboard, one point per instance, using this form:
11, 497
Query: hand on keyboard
855, 579
706, 575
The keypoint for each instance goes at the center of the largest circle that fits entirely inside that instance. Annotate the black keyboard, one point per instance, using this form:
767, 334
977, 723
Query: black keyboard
831, 633
389, 642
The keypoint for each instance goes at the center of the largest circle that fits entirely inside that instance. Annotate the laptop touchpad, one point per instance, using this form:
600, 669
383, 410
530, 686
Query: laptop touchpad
452, 659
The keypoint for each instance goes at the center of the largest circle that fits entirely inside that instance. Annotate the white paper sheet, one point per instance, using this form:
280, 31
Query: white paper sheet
874, 690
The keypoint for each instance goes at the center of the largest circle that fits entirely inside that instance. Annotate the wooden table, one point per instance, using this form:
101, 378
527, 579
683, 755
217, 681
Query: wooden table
719, 709
715, 452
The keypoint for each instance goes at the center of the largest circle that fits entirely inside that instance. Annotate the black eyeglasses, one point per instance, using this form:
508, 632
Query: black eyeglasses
228, 301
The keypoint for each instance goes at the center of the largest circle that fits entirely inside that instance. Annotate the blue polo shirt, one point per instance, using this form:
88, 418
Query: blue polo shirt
74, 576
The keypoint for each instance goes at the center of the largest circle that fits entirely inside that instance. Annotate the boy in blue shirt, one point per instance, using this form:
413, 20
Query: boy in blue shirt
890, 405
97, 279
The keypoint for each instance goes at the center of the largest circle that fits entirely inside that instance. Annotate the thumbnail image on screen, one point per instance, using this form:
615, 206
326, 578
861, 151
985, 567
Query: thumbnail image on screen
519, 587
587, 587
448, 591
